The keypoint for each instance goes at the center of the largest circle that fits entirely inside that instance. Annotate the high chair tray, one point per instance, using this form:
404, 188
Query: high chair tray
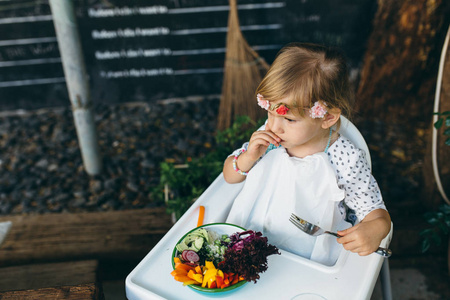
288, 276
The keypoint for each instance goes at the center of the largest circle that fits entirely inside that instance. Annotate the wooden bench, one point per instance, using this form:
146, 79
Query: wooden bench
51, 253
78, 292
98, 235
62, 280
48, 275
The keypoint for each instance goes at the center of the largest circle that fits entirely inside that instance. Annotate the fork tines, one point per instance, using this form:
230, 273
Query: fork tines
297, 222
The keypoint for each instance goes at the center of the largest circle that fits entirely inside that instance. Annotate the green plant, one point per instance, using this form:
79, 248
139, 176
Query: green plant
444, 118
181, 185
440, 222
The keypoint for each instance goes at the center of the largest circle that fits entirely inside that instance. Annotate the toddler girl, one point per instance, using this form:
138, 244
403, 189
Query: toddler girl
299, 163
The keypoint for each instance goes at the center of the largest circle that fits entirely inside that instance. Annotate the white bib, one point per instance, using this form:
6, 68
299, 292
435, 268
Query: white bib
279, 185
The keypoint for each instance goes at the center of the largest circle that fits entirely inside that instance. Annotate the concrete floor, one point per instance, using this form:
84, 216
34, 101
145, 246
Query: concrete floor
407, 284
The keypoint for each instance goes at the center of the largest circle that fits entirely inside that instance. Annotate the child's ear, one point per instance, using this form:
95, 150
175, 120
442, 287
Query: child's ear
331, 118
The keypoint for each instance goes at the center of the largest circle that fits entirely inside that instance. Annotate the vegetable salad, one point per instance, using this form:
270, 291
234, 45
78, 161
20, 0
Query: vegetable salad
218, 261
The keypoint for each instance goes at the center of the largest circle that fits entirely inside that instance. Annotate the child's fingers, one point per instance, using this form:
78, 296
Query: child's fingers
345, 239
267, 136
348, 230
269, 133
362, 250
349, 235
350, 246
355, 243
260, 140
355, 247
257, 147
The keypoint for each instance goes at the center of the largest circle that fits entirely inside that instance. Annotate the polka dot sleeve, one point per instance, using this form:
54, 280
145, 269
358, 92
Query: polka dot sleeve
362, 193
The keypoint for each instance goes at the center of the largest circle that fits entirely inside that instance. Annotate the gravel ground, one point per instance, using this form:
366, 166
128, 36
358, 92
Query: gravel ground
41, 168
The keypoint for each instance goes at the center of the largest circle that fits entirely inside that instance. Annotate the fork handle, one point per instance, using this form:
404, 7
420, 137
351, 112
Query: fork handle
385, 252
333, 233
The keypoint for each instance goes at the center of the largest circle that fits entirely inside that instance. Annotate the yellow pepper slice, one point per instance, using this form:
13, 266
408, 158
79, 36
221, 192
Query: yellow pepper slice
197, 277
210, 274
189, 282
209, 265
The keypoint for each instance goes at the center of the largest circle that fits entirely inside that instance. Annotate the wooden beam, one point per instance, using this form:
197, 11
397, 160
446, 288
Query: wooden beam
78, 292
36, 276
94, 235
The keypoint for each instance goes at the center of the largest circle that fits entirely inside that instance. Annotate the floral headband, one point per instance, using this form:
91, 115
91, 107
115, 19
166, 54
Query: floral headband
280, 108
317, 111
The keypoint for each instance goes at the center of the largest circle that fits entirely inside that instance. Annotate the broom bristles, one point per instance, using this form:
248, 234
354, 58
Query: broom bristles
244, 70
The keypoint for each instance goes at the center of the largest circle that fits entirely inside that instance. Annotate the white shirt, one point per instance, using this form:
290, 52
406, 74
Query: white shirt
279, 185
353, 174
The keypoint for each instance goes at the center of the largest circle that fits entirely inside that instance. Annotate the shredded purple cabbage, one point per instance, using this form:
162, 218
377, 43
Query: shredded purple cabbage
247, 256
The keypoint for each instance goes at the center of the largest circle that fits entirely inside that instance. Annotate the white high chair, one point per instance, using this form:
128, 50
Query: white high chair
288, 277
349, 130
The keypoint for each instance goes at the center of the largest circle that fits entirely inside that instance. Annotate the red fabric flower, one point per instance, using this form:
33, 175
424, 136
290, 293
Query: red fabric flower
282, 110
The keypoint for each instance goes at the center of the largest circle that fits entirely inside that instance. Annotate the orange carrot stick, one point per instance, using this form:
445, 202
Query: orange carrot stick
182, 278
183, 267
178, 272
201, 215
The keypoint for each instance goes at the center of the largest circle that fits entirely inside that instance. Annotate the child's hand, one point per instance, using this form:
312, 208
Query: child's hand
365, 237
260, 141
257, 146
361, 239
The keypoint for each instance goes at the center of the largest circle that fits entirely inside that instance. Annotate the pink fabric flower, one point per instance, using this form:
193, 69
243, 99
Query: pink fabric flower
318, 110
282, 110
263, 103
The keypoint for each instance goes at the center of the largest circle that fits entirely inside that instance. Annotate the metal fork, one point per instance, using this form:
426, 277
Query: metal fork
315, 230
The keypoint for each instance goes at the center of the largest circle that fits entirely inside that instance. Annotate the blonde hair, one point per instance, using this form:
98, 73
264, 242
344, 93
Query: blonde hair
306, 73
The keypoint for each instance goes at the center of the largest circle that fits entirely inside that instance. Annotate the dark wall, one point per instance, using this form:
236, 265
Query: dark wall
150, 50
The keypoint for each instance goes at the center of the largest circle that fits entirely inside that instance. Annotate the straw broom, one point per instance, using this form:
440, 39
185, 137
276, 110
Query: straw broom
244, 70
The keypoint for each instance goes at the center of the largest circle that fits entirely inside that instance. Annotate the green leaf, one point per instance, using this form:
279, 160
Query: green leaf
438, 123
425, 245
433, 221
426, 232
440, 220
445, 208
436, 238
429, 216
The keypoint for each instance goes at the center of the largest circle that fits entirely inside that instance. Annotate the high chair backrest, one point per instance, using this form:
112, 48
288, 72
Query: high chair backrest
349, 130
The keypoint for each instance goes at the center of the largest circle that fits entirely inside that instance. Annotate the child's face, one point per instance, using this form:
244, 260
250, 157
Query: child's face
301, 136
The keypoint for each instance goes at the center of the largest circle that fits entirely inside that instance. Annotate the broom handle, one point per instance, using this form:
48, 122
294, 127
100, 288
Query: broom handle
233, 25
233, 5
233, 17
